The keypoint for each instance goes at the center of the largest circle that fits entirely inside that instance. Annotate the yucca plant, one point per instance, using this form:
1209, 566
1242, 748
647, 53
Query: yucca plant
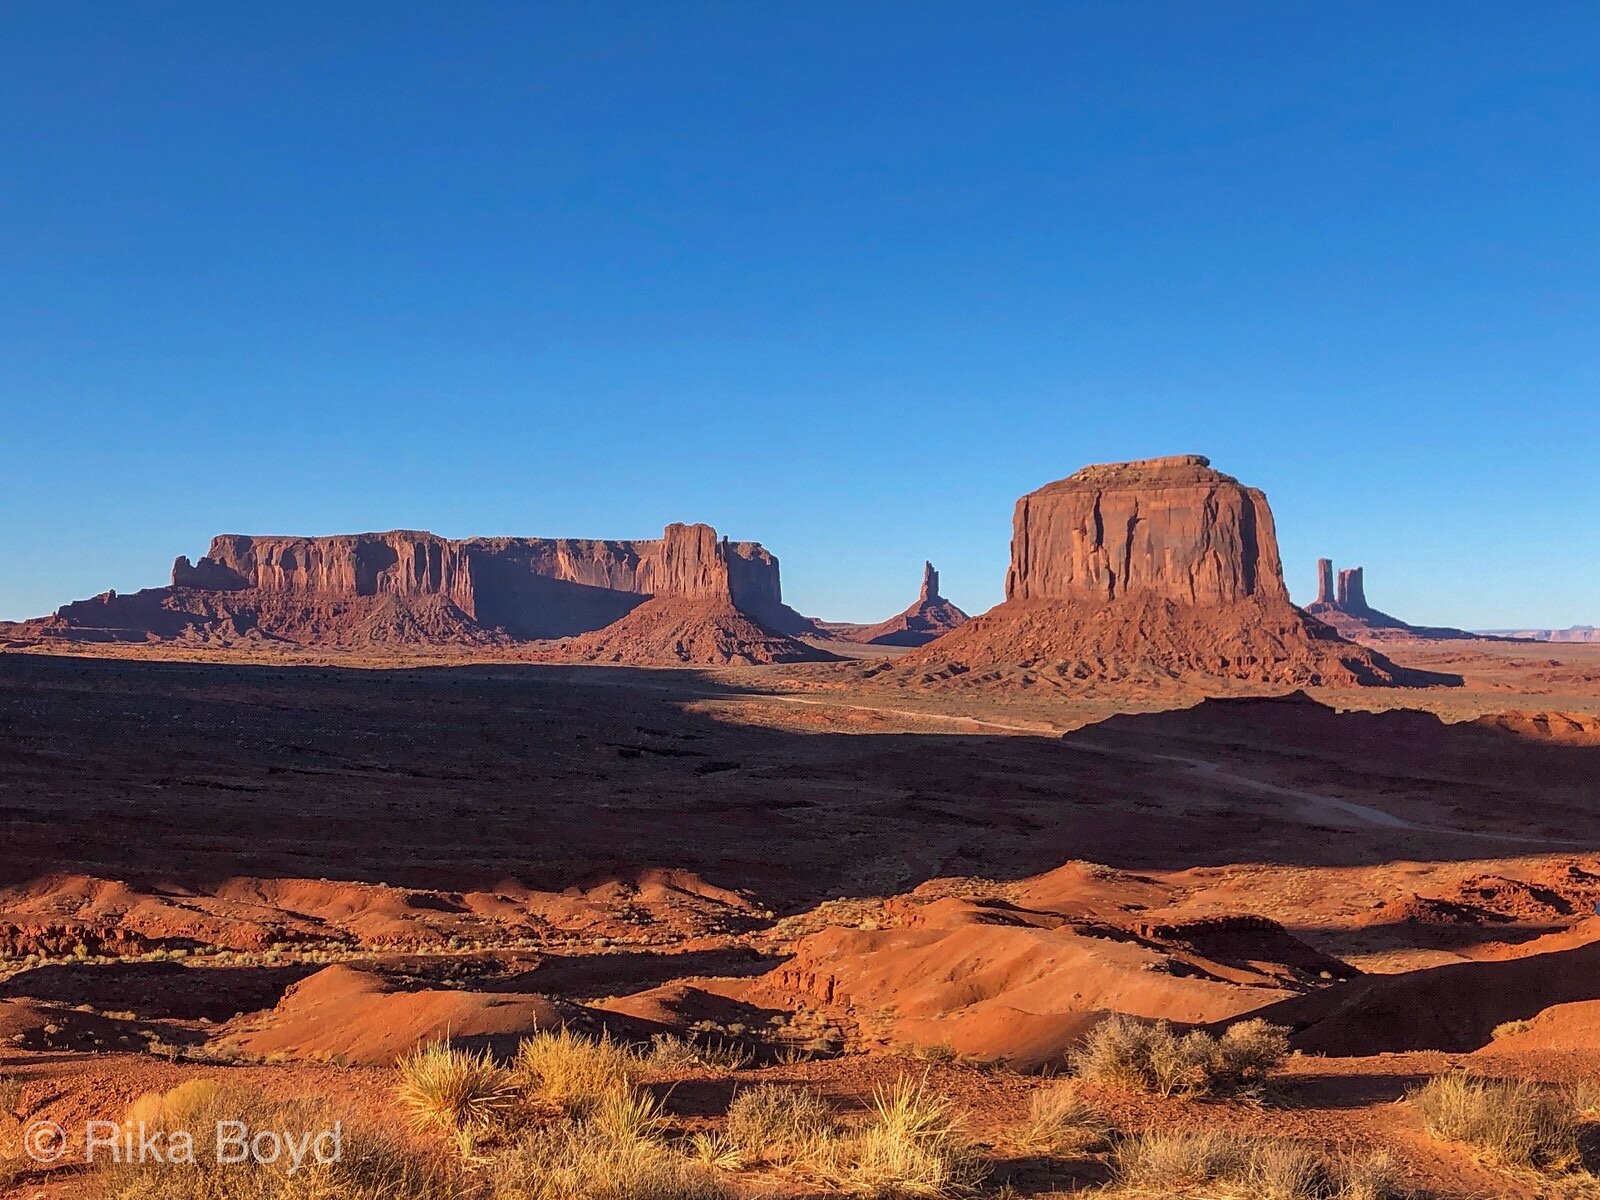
455, 1091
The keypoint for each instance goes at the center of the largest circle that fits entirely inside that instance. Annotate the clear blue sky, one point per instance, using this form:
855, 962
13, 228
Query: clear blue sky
844, 278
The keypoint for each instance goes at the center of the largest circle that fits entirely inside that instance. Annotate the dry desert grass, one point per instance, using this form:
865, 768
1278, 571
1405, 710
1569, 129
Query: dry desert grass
1511, 1123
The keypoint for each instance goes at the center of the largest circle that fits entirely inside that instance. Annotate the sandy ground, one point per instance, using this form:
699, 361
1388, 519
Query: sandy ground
294, 870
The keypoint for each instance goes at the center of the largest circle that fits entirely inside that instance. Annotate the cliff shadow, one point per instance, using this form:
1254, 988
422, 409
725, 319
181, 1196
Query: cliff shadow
479, 777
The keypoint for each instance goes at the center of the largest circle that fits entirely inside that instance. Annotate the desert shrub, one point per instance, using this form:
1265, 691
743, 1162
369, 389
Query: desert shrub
778, 1124
10, 1094
668, 1051
1510, 1029
1512, 1123
455, 1091
1220, 1164
912, 1146
1246, 1055
369, 1165
1154, 1057
574, 1073
1059, 1122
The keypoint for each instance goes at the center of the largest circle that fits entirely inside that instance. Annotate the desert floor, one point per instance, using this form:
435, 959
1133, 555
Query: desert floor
289, 872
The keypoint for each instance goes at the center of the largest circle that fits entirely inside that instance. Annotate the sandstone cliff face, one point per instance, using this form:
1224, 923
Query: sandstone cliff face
408, 586
1171, 527
1353, 590
400, 563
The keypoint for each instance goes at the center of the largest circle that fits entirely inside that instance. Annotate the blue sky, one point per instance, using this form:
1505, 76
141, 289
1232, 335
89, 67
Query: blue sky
844, 278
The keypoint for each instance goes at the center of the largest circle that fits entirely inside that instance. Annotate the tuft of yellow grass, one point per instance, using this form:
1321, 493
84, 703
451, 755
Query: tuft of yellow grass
616, 1152
369, 1165
574, 1073
770, 1123
454, 1091
1059, 1123
1511, 1123
911, 1147
668, 1051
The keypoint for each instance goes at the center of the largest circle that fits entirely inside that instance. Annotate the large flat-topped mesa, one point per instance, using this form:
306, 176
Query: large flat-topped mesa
1172, 527
688, 595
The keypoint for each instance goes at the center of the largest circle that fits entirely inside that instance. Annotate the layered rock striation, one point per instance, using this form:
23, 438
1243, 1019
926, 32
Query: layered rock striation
1144, 573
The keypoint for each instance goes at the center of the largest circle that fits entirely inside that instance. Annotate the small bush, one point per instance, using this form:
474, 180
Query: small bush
1510, 1029
574, 1073
1153, 1057
1512, 1123
461, 1093
1586, 1097
1247, 1053
1059, 1123
10, 1094
1212, 1163
778, 1124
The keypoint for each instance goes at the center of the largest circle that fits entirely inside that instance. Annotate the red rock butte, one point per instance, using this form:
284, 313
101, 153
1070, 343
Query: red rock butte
1171, 527
1144, 572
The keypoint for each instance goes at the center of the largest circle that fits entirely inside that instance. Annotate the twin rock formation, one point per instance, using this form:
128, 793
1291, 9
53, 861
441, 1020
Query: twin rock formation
1343, 605
1145, 572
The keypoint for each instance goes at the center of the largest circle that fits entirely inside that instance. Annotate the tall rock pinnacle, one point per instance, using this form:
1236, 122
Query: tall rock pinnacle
930, 584
1352, 590
1324, 581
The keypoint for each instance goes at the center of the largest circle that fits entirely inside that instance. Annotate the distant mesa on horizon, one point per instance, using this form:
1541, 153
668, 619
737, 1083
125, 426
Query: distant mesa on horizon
1572, 633
1145, 573
688, 596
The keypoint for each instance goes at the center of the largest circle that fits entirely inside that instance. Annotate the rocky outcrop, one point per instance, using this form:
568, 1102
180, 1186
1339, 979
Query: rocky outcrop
932, 616
1145, 573
1168, 527
408, 586
1347, 611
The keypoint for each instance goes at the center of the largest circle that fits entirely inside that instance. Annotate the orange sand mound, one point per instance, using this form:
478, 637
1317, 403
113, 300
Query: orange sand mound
344, 1013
